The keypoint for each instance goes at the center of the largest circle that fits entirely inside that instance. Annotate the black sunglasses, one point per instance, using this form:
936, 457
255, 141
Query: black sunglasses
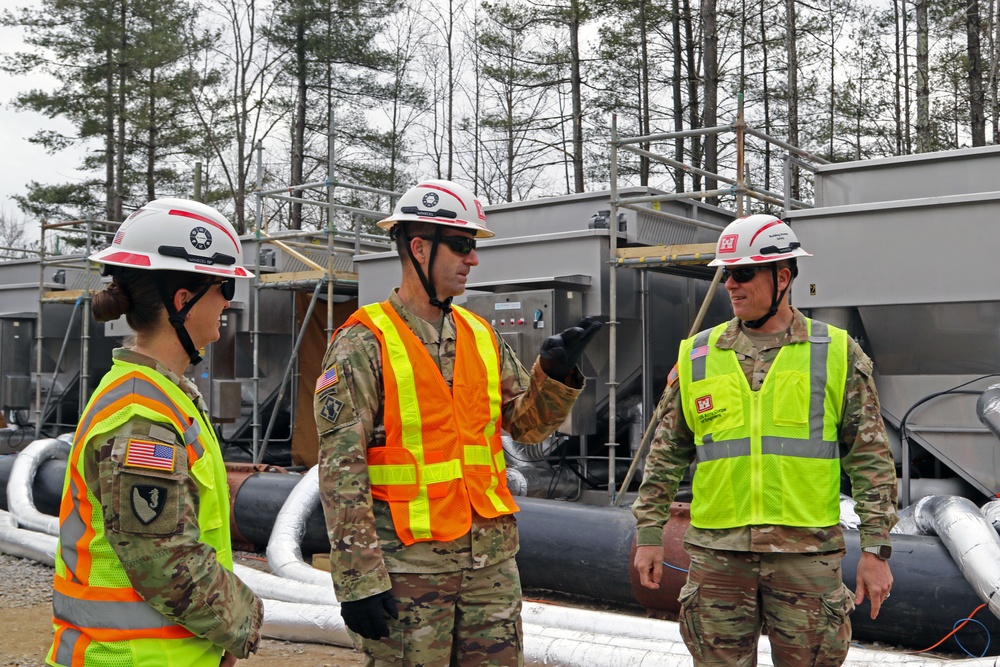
741, 274
461, 245
228, 287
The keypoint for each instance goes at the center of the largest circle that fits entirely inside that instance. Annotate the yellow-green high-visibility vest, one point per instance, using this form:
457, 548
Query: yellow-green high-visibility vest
769, 456
99, 618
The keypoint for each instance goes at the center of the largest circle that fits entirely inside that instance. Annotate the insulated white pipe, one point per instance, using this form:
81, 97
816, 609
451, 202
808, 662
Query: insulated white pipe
272, 587
309, 623
284, 550
970, 539
25, 543
20, 500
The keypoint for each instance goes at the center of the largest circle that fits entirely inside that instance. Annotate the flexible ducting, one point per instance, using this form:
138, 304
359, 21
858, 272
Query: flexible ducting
20, 501
971, 540
284, 551
988, 408
25, 543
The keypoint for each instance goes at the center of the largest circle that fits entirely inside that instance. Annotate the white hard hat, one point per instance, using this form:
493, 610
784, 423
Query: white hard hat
177, 235
440, 203
756, 239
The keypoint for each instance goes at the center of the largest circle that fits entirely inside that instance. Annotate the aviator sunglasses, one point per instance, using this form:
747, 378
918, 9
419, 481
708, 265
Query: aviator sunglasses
741, 274
461, 245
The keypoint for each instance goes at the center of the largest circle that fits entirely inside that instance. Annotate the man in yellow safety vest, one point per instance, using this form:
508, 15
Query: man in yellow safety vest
771, 406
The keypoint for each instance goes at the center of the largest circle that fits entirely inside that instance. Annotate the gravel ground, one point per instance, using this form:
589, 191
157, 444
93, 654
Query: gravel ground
24, 583
26, 623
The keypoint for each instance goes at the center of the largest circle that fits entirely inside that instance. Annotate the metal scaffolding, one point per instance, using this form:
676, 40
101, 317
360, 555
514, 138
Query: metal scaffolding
83, 281
303, 273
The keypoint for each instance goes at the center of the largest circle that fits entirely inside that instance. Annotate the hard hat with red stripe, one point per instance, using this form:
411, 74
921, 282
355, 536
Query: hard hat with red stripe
440, 203
756, 239
177, 235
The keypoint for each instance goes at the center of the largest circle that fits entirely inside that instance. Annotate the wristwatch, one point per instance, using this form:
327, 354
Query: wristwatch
882, 551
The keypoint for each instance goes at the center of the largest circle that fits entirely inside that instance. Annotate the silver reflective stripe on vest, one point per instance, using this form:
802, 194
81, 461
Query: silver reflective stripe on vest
71, 531
107, 615
191, 434
808, 449
819, 350
67, 646
698, 365
727, 449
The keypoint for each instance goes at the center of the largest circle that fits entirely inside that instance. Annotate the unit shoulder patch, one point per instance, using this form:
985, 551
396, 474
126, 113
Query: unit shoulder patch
145, 505
148, 502
331, 409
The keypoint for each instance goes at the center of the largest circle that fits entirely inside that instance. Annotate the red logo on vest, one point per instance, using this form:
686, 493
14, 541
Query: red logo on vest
728, 243
704, 404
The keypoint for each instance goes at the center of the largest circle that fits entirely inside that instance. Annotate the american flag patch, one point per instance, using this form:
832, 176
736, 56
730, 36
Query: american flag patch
152, 455
118, 237
699, 352
672, 377
327, 379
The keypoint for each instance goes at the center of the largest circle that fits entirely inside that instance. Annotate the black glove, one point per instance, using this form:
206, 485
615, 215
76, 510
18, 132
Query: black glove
561, 353
367, 617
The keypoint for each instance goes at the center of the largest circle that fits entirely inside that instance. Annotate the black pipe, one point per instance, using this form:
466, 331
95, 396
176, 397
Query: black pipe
584, 550
574, 548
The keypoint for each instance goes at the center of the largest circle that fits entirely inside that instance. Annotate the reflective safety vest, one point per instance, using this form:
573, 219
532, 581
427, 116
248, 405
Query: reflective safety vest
443, 458
769, 456
99, 618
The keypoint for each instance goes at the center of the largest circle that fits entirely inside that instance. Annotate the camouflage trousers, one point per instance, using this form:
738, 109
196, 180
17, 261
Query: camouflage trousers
799, 599
470, 618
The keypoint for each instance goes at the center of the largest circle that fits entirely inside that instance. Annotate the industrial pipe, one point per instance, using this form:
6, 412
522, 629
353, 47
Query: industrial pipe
20, 500
25, 543
971, 540
585, 550
284, 553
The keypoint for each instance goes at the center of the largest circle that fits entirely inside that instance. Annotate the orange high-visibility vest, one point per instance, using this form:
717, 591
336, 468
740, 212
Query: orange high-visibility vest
98, 617
443, 457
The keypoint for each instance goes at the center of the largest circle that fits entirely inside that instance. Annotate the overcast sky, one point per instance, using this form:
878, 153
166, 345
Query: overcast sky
21, 161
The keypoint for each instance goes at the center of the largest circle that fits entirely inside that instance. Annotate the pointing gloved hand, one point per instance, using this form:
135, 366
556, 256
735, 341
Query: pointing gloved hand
367, 616
561, 353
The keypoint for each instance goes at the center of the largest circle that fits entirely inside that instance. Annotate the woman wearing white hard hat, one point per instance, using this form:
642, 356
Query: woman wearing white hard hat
144, 567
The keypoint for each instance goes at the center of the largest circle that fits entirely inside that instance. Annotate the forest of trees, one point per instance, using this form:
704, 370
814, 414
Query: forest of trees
510, 97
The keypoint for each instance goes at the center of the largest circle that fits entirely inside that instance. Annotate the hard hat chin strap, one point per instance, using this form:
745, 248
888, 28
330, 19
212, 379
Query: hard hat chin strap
178, 317
426, 280
775, 301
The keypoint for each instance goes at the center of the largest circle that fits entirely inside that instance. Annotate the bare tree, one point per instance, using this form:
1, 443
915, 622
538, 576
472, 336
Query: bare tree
977, 117
923, 79
792, 50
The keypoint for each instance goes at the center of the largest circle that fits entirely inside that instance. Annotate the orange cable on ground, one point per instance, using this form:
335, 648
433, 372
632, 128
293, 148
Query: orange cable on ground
957, 628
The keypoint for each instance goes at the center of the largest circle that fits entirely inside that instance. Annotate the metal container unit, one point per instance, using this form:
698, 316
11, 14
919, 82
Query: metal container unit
901, 249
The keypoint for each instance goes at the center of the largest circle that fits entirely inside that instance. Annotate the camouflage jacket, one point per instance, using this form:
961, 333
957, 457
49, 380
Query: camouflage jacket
164, 560
364, 544
865, 457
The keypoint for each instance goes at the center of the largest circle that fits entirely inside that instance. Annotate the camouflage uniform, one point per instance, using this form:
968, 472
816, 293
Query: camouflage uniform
171, 569
795, 571
459, 600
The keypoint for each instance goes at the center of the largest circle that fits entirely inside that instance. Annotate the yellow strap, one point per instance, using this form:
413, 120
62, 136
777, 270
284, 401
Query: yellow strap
445, 471
478, 455
409, 412
486, 346
393, 474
